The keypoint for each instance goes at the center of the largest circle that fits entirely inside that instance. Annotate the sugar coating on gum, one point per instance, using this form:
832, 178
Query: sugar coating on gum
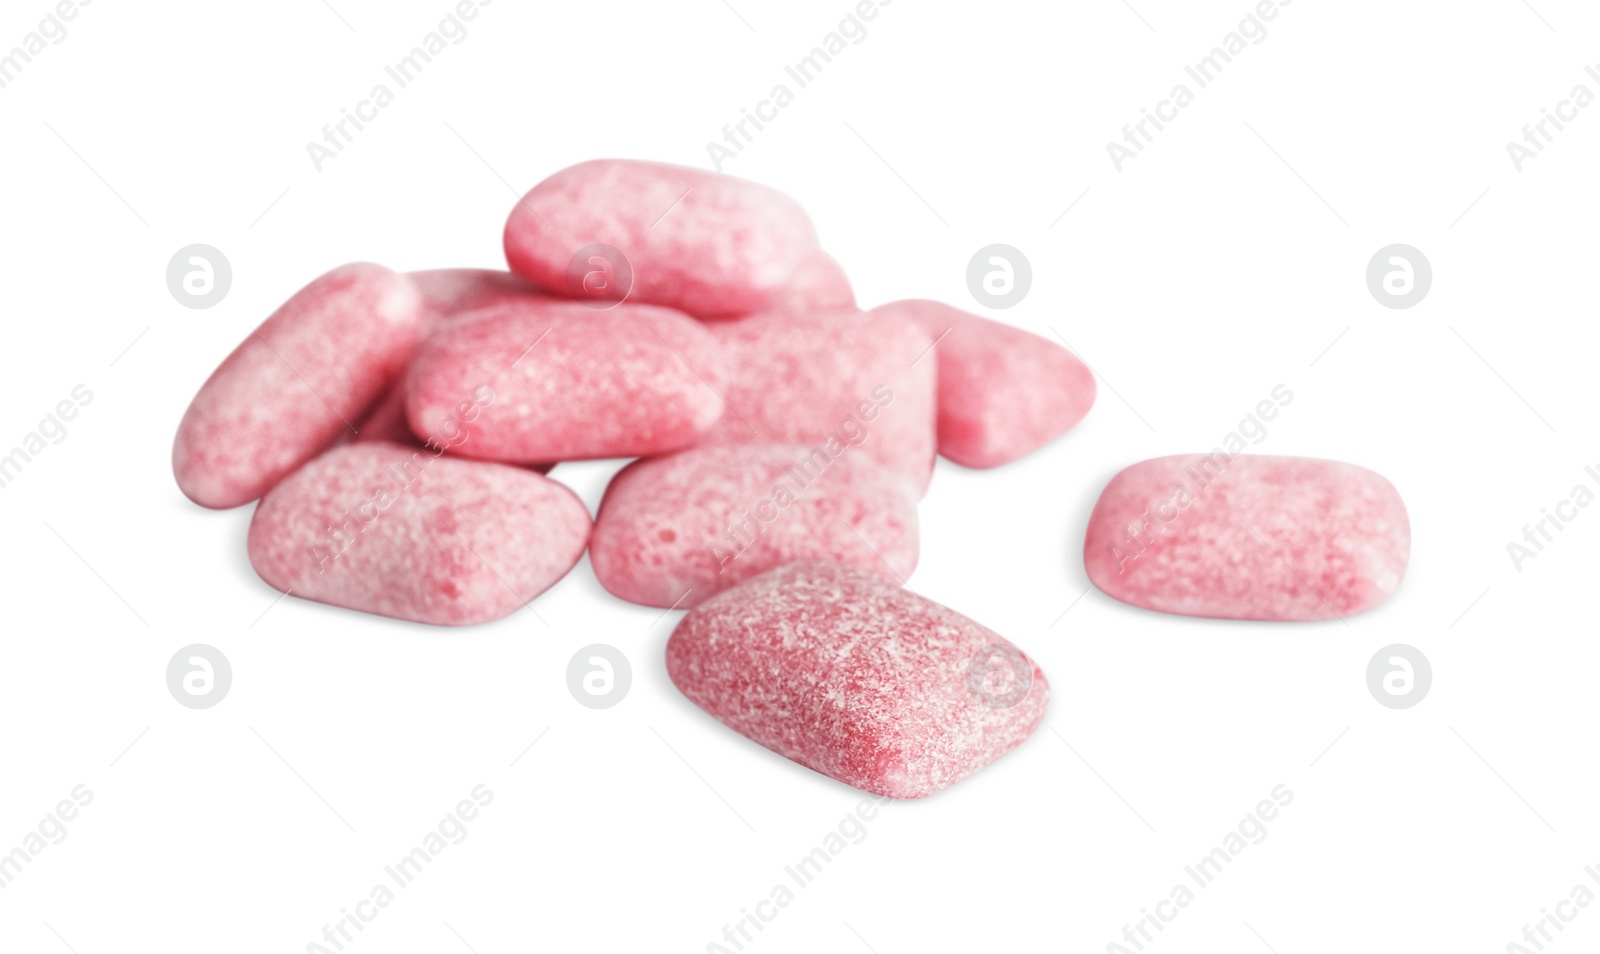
570, 382
833, 376
399, 532
1259, 538
674, 531
705, 243
1003, 392
851, 676
295, 384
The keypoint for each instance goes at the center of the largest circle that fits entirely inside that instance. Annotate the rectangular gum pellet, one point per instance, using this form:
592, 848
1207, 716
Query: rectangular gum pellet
674, 531
1246, 537
570, 382
404, 532
295, 384
857, 678
711, 245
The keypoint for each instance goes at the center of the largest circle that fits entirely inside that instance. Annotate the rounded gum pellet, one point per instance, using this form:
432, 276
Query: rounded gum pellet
1003, 392
295, 384
705, 243
1245, 537
857, 678
401, 532
563, 381
674, 531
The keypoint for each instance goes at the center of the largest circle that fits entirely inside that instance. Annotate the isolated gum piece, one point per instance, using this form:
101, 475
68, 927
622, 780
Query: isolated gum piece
1262, 538
1003, 392
856, 678
450, 292
819, 284
568, 382
834, 380
396, 531
674, 531
295, 384
705, 243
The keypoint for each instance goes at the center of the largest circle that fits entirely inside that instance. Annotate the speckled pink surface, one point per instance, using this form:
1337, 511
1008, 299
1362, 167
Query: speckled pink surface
705, 243
1262, 538
396, 531
1003, 392
450, 292
677, 530
834, 378
570, 382
295, 384
854, 677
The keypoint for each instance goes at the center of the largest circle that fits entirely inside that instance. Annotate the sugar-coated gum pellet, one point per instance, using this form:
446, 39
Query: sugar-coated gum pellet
833, 377
566, 381
1245, 537
674, 531
852, 676
705, 243
296, 384
400, 532
1003, 392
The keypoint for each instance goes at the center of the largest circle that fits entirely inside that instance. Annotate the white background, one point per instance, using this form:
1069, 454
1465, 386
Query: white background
1222, 262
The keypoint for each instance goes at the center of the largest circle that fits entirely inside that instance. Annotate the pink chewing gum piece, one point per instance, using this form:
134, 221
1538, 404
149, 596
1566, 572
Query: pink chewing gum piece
674, 531
835, 380
1003, 392
295, 384
450, 292
399, 532
707, 244
856, 678
564, 381
1261, 538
